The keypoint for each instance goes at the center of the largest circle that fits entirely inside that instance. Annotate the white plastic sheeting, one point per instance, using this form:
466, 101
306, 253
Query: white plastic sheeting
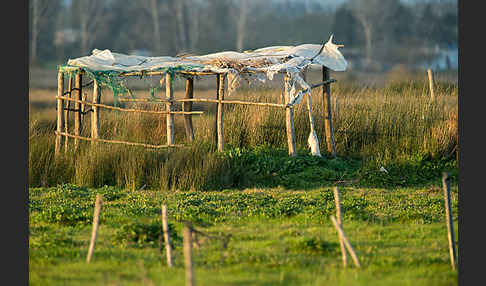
262, 64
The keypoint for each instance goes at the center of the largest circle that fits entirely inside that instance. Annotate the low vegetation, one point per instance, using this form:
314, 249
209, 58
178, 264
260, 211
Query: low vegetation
278, 236
395, 127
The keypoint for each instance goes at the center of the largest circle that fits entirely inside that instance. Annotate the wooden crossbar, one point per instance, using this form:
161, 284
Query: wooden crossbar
205, 100
128, 109
117, 141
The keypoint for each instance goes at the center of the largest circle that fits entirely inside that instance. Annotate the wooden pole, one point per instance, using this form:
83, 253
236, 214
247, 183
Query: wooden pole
220, 114
342, 237
289, 118
449, 221
186, 234
60, 113
326, 95
66, 112
128, 109
431, 84
94, 233
77, 106
95, 114
165, 226
187, 106
336, 107
169, 94
340, 222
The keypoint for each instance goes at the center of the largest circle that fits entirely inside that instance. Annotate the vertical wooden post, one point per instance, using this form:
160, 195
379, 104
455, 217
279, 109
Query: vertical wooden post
169, 94
186, 235
77, 107
431, 84
289, 118
336, 106
66, 111
165, 227
94, 233
326, 96
450, 225
187, 106
343, 238
60, 113
220, 114
95, 114
340, 222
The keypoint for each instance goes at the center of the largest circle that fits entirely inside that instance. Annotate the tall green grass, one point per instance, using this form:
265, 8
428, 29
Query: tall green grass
396, 124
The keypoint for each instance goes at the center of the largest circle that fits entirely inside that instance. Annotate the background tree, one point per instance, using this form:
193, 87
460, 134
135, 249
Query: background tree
40, 12
91, 16
373, 16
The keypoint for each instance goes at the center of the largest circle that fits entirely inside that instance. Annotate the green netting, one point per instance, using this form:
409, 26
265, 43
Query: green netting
112, 79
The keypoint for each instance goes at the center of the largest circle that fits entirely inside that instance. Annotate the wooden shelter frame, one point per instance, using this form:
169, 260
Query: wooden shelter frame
73, 93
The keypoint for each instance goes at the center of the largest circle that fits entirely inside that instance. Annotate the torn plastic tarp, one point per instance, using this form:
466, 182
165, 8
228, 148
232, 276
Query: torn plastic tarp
260, 64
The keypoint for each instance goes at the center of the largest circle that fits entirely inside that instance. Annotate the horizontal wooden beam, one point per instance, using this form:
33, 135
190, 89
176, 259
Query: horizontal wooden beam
117, 141
128, 109
204, 100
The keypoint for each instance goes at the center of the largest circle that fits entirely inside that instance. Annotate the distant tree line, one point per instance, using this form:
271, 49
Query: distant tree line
372, 31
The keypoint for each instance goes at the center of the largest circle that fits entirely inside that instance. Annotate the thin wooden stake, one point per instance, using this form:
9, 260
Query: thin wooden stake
340, 222
289, 119
66, 112
165, 226
342, 237
220, 114
95, 115
94, 233
77, 116
329, 130
187, 106
169, 94
60, 113
186, 234
448, 211
431, 84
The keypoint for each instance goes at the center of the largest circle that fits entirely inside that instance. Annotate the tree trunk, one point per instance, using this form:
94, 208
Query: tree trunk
156, 26
241, 28
368, 43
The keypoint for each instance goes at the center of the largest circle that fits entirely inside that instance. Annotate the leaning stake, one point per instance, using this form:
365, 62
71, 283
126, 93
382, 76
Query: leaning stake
96, 218
186, 234
339, 220
450, 226
165, 226
342, 237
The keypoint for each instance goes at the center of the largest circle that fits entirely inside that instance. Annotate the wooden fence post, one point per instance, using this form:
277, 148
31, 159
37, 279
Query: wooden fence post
186, 234
187, 106
165, 226
66, 112
340, 222
289, 118
449, 221
343, 238
95, 115
60, 113
169, 94
77, 106
220, 114
326, 96
94, 233
431, 84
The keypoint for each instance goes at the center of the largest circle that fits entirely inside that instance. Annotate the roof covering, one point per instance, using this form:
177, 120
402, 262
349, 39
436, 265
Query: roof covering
264, 63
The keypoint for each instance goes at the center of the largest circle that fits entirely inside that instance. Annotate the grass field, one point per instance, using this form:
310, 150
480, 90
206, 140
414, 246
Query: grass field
279, 237
275, 207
